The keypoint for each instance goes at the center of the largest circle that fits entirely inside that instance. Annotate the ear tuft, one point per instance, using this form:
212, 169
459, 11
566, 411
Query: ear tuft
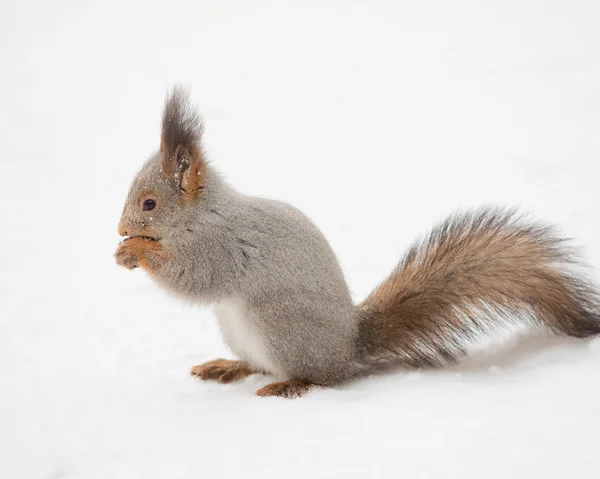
181, 143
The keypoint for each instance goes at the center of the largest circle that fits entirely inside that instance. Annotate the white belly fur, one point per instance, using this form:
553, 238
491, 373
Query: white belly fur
241, 335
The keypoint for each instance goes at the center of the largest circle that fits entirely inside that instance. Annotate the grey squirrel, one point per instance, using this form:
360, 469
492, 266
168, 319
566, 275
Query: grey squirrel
279, 294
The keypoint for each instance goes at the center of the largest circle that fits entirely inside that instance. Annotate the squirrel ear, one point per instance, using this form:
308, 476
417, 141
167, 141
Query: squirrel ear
183, 161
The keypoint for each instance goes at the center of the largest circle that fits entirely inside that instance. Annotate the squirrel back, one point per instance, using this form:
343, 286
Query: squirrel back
279, 293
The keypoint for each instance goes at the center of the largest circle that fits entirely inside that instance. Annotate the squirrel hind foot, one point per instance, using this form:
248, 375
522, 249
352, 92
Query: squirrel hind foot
222, 370
290, 389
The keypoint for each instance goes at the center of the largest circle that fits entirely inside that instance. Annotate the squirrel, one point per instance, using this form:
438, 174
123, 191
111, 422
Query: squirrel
280, 296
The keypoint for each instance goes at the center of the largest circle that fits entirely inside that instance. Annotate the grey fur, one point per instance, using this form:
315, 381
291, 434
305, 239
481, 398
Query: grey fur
262, 253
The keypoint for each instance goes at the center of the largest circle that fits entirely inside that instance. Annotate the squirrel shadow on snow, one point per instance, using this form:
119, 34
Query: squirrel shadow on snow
523, 355
527, 352
280, 296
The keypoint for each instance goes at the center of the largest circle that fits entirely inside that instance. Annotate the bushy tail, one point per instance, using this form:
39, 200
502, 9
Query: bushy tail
473, 274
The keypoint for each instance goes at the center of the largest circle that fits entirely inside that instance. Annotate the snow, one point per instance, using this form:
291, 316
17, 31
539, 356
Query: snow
376, 119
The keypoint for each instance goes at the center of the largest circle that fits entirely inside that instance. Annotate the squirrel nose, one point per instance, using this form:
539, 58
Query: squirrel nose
122, 230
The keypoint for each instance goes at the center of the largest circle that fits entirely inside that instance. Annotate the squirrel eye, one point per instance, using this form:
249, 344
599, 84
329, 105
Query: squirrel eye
149, 205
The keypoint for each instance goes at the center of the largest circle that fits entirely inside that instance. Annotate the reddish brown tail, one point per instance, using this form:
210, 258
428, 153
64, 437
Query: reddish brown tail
473, 274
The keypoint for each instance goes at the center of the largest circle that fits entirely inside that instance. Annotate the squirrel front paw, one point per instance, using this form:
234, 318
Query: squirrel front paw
144, 252
127, 255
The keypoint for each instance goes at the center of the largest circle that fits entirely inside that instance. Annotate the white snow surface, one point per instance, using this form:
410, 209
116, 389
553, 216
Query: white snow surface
377, 119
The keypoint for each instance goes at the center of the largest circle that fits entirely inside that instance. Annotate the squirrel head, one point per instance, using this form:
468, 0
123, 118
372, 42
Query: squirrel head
173, 179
